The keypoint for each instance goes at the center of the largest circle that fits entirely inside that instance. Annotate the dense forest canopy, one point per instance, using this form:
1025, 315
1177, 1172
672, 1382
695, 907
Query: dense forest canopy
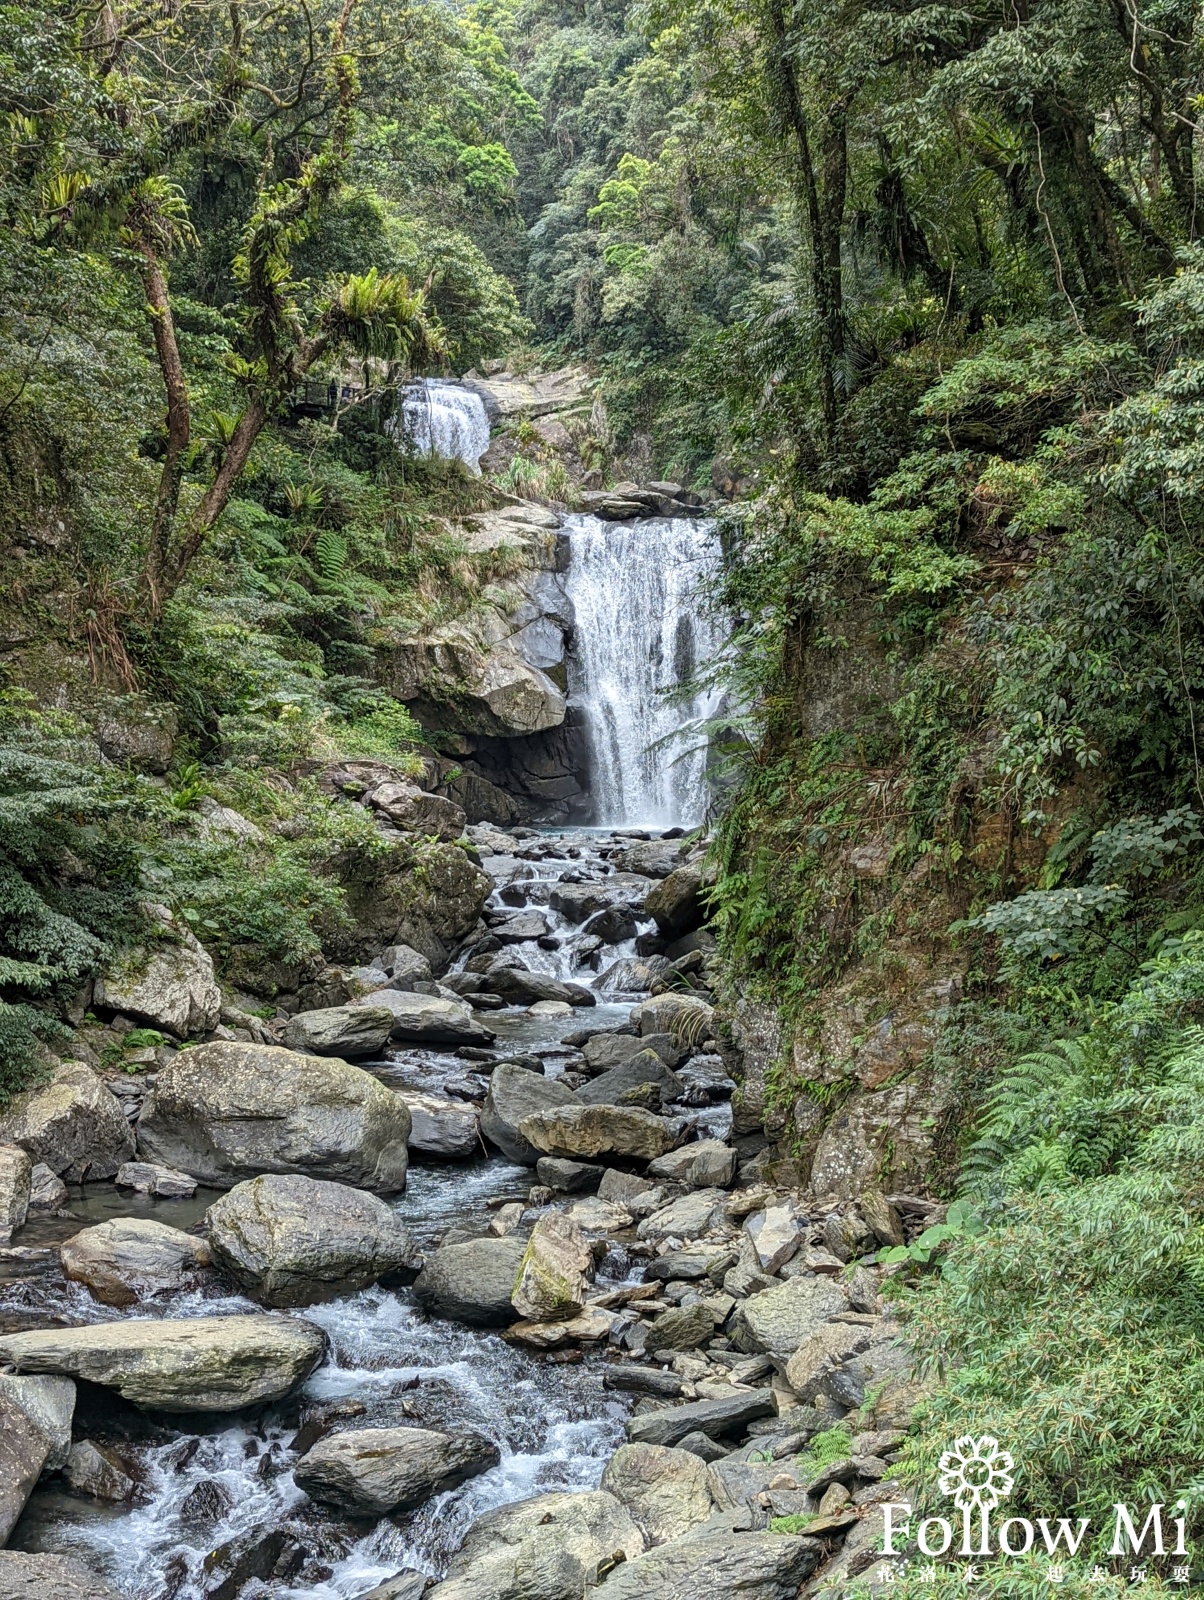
919, 288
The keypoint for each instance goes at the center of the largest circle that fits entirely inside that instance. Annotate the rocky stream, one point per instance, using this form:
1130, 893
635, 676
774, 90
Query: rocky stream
474, 1286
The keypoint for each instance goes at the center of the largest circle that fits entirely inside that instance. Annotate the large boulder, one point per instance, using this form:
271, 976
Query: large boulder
373, 1471
72, 1124
442, 1127
361, 1030
16, 1173
49, 1403
752, 1566
519, 987
427, 1019
709, 1163
652, 858
684, 1016
472, 1282
132, 1258
168, 986
290, 1241
425, 895
196, 1364
414, 810
23, 1451
553, 1278
665, 1490
546, 1548
688, 1217
30, 1577
643, 1067
676, 903
581, 1130
225, 1112
578, 901
515, 1093
778, 1320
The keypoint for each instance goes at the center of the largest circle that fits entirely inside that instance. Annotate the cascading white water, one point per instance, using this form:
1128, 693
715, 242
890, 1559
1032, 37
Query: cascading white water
641, 631
441, 418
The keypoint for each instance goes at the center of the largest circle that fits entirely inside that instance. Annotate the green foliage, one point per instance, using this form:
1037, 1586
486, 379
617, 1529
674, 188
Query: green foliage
961, 1222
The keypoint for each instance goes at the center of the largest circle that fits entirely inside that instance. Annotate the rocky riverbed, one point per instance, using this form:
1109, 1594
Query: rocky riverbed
470, 1285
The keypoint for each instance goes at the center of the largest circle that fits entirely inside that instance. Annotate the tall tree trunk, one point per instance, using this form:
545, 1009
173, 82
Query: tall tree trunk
179, 430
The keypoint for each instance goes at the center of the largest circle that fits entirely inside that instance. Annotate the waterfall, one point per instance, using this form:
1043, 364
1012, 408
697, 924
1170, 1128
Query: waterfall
641, 630
442, 418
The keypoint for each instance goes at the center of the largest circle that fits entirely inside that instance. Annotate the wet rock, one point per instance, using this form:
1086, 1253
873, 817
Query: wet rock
224, 1112
472, 1282
514, 1094
439, 1127
519, 987
96, 1473
614, 925
209, 1503
578, 901
664, 1490
778, 1320
373, 1471
276, 1557
195, 1364
46, 1192
340, 1030
689, 1217
72, 1124
776, 1234
131, 1258
427, 1019
32, 1577
169, 986
631, 975
292, 1241
707, 1164
645, 1067
407, 1585
49, 1403
676, 902
415, 811
23, 1451
545, 1548
553, 1276
715, 1418
568, 1177
16, 1170
516, 930
594, 1130
146, 1177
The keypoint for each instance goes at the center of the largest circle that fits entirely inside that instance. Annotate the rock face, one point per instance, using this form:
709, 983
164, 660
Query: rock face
25, 1577
882, 1141
16, 1172
224, 1112
778, 1320
291, 1241
131, 1258
582, 1130
72, 1124
546, 1548
49, 1403
664, 1490
198, 1364
422, 895
552, 1282
515, 1093
440, 1127
427, 1019
415, 811
472, 1282
707, 1164
373, 1471
169, 986
754, 1566
23, 1451
340, 1031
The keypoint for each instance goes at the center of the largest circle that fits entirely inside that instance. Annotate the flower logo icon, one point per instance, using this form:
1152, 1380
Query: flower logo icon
977, 1473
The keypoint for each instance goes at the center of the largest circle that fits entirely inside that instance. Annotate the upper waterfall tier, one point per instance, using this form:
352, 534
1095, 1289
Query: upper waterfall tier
641, 631
441, 418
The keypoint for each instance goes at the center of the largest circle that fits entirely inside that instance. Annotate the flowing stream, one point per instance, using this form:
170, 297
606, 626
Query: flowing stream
221, 1484
642, 633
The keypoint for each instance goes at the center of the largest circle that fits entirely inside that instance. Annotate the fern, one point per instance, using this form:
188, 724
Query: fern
330, 549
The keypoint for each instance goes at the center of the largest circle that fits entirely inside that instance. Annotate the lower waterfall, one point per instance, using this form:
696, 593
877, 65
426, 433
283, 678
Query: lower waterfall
641, 631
